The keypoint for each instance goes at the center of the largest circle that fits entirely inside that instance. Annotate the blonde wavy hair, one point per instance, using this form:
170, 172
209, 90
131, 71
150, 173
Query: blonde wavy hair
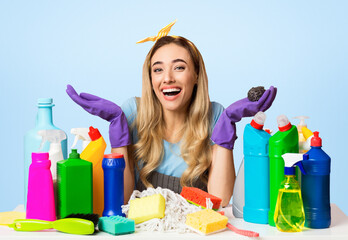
195, 143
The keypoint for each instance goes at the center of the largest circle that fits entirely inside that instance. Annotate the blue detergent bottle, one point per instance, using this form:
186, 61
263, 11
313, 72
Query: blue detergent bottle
256, 171
316, 186
32, 139
113, 165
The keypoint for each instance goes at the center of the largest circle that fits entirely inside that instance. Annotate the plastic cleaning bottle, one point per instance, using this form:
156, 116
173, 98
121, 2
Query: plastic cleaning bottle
256, 171
316, 186
32, 140
81, 134
94, 153
113, 166
238, 193
75, 193
54, 137
289, 215
308, 135
283, 141
40, 204
301, 138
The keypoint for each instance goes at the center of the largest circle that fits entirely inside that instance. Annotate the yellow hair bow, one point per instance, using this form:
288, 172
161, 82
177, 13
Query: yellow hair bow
163, 32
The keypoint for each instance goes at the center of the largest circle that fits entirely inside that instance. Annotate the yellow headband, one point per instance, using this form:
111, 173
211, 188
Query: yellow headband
163, 32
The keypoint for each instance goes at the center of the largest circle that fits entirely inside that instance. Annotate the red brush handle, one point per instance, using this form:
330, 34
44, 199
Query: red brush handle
242, 232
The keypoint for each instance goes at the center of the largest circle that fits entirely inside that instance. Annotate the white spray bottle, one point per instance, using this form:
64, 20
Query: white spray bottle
81, 134
55, 137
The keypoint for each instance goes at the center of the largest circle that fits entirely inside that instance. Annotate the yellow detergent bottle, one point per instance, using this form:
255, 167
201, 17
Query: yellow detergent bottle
289, 213
94, 153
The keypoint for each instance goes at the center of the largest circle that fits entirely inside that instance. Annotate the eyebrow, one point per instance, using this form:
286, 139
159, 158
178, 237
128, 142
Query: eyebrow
174, 61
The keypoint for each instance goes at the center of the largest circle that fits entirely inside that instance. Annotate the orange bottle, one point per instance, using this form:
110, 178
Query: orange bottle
94, 153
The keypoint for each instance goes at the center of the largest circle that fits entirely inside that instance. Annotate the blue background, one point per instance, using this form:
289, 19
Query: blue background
298, 46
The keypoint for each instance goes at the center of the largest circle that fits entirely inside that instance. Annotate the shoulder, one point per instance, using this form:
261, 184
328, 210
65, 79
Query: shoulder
216, 109
129, 107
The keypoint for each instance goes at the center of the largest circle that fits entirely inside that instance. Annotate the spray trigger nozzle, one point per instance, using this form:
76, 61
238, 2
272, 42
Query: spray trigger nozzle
51, 135
292, 160
81, 134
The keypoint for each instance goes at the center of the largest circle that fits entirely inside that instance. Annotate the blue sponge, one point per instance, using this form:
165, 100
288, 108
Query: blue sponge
116, 225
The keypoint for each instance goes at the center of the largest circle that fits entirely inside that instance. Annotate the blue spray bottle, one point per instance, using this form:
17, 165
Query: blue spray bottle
113, 166
256, 171
316, 186
32, 139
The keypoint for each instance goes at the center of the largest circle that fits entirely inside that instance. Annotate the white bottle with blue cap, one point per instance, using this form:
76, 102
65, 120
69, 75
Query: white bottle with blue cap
289, 213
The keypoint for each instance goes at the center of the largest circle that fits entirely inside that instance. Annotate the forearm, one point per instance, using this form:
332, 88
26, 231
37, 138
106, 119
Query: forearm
221, 174
128, 172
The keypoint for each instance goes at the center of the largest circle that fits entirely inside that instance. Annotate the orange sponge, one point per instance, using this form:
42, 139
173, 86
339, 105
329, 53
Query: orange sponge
199, 197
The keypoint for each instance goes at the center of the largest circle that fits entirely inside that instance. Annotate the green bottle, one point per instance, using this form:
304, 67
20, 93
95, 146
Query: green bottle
74, 179
283, 141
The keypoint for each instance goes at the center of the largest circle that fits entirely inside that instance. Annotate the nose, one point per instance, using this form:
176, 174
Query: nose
168, 77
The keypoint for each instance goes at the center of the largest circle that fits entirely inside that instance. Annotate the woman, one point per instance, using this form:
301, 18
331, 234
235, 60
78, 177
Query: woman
168, 143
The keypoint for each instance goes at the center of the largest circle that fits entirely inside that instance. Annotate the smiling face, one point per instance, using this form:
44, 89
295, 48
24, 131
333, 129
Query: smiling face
173, 77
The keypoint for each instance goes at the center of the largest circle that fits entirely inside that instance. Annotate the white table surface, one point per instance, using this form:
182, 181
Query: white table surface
338, 230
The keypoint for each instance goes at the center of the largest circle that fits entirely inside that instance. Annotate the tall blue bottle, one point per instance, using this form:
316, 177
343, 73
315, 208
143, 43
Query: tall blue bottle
32, 140
113, 166
315, 186
256, 171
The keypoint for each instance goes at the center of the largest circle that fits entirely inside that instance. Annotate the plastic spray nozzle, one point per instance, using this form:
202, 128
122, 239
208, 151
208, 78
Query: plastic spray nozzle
51, 135
283, 123
259, 120
302, 121
81, 133
292, 160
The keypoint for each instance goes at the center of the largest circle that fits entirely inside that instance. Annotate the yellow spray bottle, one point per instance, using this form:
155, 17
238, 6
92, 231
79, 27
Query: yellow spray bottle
289, 213
94, 153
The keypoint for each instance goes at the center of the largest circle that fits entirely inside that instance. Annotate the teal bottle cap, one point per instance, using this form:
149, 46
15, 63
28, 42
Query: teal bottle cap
45, 102
74, 154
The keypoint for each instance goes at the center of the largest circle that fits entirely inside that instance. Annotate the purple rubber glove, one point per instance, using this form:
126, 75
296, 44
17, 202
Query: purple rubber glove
224, 133
118, 129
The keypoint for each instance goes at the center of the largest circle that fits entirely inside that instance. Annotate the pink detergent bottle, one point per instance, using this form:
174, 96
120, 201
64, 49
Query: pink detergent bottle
40, 199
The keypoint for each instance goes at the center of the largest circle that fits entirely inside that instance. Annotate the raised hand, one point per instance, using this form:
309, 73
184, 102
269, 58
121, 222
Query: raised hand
224, 133
107, 110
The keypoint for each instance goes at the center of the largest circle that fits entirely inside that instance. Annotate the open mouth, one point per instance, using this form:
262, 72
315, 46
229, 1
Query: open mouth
171, 91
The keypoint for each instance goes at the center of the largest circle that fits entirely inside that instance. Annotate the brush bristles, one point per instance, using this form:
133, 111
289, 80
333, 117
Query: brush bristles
90, 216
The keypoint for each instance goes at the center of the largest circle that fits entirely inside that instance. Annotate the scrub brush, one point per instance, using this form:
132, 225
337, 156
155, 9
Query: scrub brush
74, 224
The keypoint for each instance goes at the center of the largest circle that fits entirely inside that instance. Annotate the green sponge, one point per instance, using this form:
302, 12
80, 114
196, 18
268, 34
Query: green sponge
116, 225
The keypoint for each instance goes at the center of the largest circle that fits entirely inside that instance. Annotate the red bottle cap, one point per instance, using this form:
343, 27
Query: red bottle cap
113, 155
316, 140
94, 133
285, 128
256, 125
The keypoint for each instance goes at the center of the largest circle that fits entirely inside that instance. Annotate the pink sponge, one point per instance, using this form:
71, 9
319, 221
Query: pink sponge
198, 197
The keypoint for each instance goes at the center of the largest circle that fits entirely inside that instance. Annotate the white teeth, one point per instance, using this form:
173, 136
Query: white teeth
171, 90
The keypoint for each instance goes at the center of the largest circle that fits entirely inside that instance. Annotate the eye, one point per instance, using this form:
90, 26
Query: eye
180, 68
157, 70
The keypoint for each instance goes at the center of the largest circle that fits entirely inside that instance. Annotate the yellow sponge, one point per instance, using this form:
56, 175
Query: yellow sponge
206, 221
146, 208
